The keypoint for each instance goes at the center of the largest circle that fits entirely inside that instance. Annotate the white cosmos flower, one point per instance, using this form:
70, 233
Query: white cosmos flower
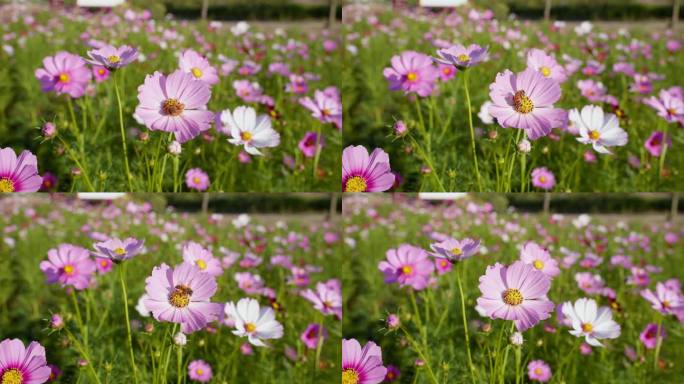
484, 113
590, 322
256, 323
141, 308
598, 129
249, 130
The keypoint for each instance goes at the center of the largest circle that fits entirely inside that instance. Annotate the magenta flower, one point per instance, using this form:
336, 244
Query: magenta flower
68, 265
665, 300
119, 250
538, 370
313, 334
364, 173
197, 179
590, 284
525, 100
200, 370
308, 144
668, 106
517, 292
112, 57
533, 254
407, 265
412, 72
325, 299
100, 73
18, 174
543, 178
249, 92
182, 295
21, 365
194, 253
455, 250
64, 73
362, 365
650, 335
462, 57
324, 107
592, 90
176, 103
195, 64
655, 143
546, 65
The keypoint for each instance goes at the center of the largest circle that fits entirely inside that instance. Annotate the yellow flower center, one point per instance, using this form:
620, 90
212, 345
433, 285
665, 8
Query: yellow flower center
542, 179
180, 297
200, 371
250, 327
12, 376
6, 185
350, 376
538, 371
522, 103
463, 58
538, 264
355, 184
594, 135
201, 264
666, 304
412, 76
545, 71
63, 78
196, 72
103, 263
246, 136
444, 263
457, 251
69, 269
671, 111
101, 71
120, 251
325, 112
406, 270
512, 297
587, 327
447, 70
114, 59
173, 107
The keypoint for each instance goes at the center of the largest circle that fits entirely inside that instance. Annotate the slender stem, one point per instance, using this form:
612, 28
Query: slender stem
659, 341
518, 353
318, 150
661, 161
465, 324
128, 322
123, 134
78, 163
79, 319
85, 355
472, 131
319, 346
422, 355
180, 361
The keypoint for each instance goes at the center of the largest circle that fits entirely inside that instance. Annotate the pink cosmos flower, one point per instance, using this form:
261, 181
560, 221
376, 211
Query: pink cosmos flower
64, 73
538, 370
650, 335
19, 174
196, 178
176, 103
104, 266
250, 283
592, 90
517, 292
590, 284
668, 106
446, 71
326, 299
119, 250
249, 92
200, 370
324, 107
101, 73
297, 84
525, 100
546, 65
112, 57
21, 365
194, 253
543, 178
407, 265
598, 129
455, 250
313, 334
462, 57
182, 295
532, 253
443, 266
364, 173
655, 143
68, 265
412, 72
664, 300
195, 64
308, 144
362, 365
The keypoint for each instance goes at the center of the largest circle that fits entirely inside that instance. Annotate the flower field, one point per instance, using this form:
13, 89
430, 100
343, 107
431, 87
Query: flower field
462, 101
118, 101
460, 293
215, 298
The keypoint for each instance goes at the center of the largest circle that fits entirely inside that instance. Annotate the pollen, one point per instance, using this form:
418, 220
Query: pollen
101, 71
457, 251
69, 269
120, 251
246, 136
196, 180
201, 264
512, 297
64, 78
538, 371
671, 111
522, 103
542, 179
545, 71
6, 185
356, 184
250, 327
666, 304
180, 297
114, 59
325, 112
463, 58
538, 264
12, 376
587, 327
350, 376
412, 76
173, 107
200, 371
594, 135
196, 72
406, 270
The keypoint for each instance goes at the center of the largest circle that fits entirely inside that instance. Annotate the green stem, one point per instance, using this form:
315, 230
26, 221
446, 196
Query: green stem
128, 322
123, 134
472, 131
78, 163
661, 161
422, 355
319, 347
180, 361
465, 324
318, 150
660, 340
84, 354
